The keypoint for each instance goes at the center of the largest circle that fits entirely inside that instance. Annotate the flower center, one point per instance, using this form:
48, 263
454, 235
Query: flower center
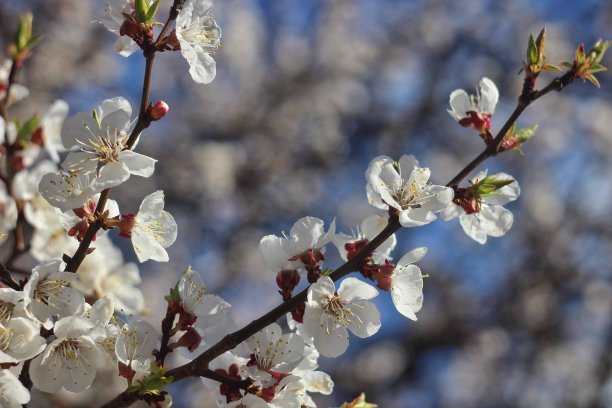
105, 147
48, 288
203, 32
6, 311
68, 349
5, 337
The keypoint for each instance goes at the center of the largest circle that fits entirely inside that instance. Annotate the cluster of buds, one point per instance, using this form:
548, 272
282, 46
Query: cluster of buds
586, 64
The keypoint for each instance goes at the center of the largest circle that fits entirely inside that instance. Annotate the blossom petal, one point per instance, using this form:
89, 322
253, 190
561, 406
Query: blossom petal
138, 164
407, 290
352, 288
334, 343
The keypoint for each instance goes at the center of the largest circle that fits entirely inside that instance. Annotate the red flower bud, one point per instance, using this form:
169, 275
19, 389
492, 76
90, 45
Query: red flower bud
158, 110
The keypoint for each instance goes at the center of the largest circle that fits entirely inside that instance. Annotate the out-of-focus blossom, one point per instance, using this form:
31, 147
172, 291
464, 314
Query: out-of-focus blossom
199, 36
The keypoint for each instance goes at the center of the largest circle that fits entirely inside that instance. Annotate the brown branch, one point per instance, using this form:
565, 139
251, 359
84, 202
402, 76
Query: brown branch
199, 366
143, 122
166, 327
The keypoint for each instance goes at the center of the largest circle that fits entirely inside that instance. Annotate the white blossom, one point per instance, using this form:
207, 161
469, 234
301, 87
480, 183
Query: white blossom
71, 360
403, 185
490, 218
69, 189
19, 340
370, 228
48, 294
12, 392
475, 109
199, 36
115, 10
153, 229
308, 233
135, 345
329, 314
208, 308
101, 142
271, 351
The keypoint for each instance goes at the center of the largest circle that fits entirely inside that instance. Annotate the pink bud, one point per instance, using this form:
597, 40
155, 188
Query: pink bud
158, 110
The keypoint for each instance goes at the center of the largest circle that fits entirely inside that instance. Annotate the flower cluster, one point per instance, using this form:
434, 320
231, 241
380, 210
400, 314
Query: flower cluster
66, 320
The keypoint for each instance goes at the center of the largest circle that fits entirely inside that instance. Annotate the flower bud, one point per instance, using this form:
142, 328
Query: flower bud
159, 110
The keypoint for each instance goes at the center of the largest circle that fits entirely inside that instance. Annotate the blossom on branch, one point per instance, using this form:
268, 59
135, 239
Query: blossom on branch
403, 185
329, 314
71, 360
475, 110
199, 36
48, 294
152, 229
100, 139
480, 206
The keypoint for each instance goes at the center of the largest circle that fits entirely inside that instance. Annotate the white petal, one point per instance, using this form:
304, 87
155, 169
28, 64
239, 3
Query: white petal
202, 66
323, 288
112, 174
415, 217
138, 164
352, 288
12, 393
366, 319
332, 343
151, 206
407, 164
272, 253
411, 257
471, 226
489, 95
407, 290
460, 104
495, 220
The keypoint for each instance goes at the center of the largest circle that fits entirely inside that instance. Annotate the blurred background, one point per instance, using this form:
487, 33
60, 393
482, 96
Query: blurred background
306, 94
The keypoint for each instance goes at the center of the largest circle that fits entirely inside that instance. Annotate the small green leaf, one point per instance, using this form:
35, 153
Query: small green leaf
25, 131
142, 9
152, 11
532, 51
525, 134
549, 67
359, 402
593, 80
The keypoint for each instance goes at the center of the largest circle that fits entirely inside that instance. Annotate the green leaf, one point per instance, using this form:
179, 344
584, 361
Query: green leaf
532, 51
25, 131
595, 68
593, 80
142, 9
525, 134
549, 67
152, 11
152, 383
